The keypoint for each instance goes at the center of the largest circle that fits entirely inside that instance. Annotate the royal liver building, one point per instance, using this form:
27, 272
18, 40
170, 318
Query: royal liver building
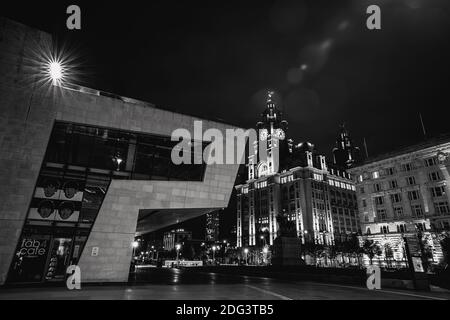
291, 179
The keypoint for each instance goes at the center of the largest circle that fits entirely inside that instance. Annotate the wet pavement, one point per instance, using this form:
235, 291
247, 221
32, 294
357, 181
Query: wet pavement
178, 284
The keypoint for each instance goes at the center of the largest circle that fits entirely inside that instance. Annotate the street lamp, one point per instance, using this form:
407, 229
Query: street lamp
135, 244
265, 251
178, 247
214, 253
264, 239
118, 160
246, 255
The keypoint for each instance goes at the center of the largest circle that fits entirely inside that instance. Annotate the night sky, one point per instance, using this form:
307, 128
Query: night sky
217, 59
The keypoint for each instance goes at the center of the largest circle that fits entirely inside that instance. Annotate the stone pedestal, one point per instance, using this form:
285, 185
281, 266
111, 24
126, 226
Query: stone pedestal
286, 252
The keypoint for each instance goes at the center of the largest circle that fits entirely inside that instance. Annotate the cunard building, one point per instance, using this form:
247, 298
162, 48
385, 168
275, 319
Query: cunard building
297, 182
404, 193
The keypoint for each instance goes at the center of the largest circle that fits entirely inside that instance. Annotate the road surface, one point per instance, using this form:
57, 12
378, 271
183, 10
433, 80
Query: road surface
168, 284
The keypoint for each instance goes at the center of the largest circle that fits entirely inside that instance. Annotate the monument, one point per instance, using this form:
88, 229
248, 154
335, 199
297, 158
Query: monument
287, 245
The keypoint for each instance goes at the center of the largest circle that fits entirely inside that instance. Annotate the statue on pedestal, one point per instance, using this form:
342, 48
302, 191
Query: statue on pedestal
286, 228
287, 245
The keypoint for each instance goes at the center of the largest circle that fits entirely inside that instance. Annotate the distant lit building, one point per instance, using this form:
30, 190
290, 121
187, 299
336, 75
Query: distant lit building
212, 226
404, 192
298, 183
174, 237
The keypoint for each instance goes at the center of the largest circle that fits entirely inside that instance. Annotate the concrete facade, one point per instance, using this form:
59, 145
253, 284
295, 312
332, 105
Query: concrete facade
27, 114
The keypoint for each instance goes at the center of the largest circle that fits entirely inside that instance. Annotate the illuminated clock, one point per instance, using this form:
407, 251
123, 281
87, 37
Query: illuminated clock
263, 134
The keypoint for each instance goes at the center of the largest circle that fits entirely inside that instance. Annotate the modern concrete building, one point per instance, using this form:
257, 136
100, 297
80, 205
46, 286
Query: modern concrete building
299, 184
82, 172
404, 192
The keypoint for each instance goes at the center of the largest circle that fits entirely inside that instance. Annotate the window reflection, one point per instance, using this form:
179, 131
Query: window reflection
144, 156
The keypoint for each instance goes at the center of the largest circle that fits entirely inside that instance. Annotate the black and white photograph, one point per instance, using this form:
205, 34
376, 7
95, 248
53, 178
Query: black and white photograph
227, 158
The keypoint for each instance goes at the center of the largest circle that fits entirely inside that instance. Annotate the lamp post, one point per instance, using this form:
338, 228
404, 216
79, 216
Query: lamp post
264, 240
178, 247
225, 249
118, 160
246, 256
265, 251
135, 244
214, 253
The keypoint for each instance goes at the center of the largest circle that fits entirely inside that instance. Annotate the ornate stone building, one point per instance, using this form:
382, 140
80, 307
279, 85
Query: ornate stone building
296, 181
405, 192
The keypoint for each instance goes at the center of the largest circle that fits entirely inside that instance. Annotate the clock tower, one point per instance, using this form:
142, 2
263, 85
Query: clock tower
272, 142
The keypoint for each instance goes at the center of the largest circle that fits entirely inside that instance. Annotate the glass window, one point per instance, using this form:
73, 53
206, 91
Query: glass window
393, 184
411, 181
407, 167
434, 176
417, 210
396, 198
413, 195
431, 161
379, 200
377, 187
438, 191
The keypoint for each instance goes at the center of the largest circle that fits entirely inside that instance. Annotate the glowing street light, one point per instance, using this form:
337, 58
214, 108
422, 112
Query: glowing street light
134, 244
118, 159
265, 251
214, 248
246, 255
178, 247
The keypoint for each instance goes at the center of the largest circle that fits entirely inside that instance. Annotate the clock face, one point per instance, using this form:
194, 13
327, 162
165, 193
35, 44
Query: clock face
263, 134
280, 134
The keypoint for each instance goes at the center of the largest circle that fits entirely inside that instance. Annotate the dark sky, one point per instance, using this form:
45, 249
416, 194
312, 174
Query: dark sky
216, 59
